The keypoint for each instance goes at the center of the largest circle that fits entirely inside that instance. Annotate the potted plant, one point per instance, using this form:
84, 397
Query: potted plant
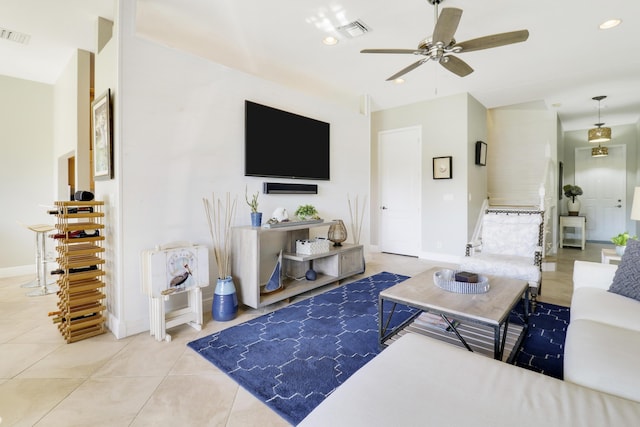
306, 212
572, 192
256, 217
621, 241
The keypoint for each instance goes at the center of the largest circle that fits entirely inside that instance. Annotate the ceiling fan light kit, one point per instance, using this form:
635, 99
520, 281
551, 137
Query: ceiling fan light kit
441, 46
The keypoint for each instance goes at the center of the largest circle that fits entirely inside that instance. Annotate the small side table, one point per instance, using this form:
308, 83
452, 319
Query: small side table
609, 255
578, 222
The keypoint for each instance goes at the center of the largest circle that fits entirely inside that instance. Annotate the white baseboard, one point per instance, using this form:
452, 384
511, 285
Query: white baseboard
18, 271
434, 256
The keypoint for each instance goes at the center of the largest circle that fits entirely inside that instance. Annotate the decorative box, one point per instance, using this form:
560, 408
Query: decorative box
313, 246
465, 276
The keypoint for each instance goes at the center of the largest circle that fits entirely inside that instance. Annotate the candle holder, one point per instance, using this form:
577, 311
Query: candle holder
337, 233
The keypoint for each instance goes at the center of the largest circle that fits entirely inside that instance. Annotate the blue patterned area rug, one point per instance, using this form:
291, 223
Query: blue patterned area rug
293, 358
543, 348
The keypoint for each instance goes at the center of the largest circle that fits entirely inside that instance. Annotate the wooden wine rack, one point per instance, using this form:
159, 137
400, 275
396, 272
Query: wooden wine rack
81, 296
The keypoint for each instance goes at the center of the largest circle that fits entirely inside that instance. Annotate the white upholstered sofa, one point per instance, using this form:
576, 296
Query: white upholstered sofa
418, 381
602, 348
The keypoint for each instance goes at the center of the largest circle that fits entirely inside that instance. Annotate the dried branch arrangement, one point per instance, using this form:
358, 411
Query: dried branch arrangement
356, 218
220, 218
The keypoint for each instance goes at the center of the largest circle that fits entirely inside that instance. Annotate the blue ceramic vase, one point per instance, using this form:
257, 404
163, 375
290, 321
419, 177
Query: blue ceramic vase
256, 219
225, 300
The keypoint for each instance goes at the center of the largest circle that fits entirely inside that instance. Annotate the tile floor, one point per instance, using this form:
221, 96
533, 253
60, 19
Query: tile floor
138, 381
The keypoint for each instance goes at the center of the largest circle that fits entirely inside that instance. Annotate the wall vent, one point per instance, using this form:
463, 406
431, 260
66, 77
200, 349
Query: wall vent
354, 29
14, 36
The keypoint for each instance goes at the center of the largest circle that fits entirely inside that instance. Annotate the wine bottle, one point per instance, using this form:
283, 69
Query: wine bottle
75, 270
76, 234
75, 210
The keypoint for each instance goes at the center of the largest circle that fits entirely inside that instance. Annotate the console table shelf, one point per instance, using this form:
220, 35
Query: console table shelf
255, 253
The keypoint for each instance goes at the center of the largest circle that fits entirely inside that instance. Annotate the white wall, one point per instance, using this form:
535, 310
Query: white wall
26, 167
523, 139
179, 137
71, 124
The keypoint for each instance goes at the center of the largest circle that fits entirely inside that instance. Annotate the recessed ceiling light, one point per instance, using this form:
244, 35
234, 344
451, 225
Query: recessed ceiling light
610, 24
398, 81
330, 41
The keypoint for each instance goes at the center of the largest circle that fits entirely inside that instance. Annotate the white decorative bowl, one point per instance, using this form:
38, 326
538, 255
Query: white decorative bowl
444, 279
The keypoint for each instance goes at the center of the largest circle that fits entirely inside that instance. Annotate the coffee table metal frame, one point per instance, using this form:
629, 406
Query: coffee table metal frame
490, 309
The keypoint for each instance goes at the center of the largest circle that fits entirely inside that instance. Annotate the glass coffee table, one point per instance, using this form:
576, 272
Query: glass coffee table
479, 322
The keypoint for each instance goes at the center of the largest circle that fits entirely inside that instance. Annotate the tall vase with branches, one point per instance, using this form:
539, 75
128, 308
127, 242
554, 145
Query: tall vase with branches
220, 218
357, 215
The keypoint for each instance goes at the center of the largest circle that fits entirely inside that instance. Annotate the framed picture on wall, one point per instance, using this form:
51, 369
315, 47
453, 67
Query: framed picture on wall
101, 144
481, 153
442, 167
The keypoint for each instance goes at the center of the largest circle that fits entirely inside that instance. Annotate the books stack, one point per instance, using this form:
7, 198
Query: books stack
434, 321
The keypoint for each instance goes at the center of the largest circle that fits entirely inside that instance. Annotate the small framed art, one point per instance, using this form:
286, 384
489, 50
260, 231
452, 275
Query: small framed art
442, 167
481, 153
102, 146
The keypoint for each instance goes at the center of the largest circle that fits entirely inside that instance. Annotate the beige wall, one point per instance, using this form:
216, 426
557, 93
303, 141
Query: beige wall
26, 167
450, 127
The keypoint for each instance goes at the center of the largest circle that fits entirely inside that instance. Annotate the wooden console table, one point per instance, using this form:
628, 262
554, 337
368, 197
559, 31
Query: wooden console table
578, 222
255, 251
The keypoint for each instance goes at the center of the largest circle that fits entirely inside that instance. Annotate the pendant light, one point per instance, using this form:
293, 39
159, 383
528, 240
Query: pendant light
599, 151
599, 133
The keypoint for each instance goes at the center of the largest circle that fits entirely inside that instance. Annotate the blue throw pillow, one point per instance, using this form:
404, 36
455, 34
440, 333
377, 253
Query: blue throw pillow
626, 281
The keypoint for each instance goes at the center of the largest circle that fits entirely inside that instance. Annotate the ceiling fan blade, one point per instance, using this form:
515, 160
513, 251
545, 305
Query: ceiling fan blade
494, 40
409, 68
456, 66
446, 25
413, 51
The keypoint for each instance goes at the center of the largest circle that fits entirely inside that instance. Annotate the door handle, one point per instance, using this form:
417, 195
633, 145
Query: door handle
383, 207
618, 206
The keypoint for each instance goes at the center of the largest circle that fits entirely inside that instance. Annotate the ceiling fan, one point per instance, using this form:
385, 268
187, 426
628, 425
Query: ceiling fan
441, 46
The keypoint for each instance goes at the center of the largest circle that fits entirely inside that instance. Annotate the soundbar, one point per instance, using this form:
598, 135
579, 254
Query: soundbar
282, 188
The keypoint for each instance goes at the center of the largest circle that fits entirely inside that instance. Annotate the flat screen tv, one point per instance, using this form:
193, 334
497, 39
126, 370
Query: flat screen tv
281, 144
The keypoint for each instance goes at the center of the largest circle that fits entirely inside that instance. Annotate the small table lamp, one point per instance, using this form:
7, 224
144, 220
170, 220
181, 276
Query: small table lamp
635, 208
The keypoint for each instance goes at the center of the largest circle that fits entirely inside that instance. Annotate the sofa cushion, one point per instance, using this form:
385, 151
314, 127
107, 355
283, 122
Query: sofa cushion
627, 278
605, 307
603, 357
588, 274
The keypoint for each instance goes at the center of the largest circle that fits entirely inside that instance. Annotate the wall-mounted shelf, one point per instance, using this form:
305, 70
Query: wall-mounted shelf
255, 252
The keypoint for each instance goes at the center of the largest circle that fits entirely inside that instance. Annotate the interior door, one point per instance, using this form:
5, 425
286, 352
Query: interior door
603, 182
399, 166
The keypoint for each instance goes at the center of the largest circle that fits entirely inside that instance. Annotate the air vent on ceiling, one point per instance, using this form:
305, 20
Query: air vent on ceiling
354, 29
14, 36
